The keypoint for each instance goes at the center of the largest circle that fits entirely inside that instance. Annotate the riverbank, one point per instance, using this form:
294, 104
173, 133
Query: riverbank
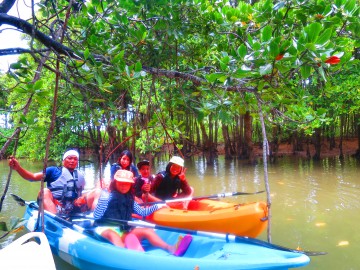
350, 147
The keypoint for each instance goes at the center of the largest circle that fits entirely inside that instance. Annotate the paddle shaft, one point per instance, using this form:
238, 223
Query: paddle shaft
215, 196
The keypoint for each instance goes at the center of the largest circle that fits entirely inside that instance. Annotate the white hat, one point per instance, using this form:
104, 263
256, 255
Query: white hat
177, 160
71, 153
124, 176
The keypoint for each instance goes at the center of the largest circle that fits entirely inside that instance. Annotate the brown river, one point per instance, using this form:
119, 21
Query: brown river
315, 205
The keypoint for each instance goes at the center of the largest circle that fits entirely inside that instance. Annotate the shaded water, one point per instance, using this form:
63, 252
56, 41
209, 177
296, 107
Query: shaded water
315, 206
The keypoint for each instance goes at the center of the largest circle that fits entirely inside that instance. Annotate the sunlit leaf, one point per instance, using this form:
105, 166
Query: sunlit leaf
242, 51
266, 33
86, 53
38, 84
312, 32
324, 37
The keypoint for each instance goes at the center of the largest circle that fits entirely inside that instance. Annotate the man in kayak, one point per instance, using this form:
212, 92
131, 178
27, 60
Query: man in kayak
65, 184
171, 183
118, 203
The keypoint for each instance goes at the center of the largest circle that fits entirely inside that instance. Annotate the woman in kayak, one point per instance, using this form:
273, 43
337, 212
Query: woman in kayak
124, 162
119, 204
171, 183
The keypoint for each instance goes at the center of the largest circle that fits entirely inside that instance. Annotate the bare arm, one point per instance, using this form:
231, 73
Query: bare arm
15, 165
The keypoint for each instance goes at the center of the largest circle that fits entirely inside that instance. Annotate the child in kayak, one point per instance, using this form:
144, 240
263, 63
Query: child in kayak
172, 184
143, 182
119, 204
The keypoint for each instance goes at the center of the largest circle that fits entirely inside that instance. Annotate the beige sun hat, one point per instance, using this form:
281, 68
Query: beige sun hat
177, 160
124, 176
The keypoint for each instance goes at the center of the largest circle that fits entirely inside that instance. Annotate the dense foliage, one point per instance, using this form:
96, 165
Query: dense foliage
186, 73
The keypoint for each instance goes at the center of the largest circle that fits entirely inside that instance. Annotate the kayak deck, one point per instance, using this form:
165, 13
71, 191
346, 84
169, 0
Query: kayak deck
248, 219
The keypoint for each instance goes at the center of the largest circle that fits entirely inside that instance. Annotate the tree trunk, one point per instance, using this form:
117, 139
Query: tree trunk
317, 144
206, 144
357, 154
274, 145
227, 141
341, 155
248, 147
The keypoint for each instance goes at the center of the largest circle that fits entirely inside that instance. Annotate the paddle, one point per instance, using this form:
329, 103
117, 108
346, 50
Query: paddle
227, 237
215, 196
65, 222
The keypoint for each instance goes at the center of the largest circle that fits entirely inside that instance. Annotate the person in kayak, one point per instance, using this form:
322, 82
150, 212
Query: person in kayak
124, 162
63, 194
143, 182
171, 183
118, 203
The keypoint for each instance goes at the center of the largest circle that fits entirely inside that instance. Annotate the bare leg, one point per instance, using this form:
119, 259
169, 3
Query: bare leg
92, 198
113, 237
49, 204
153, 238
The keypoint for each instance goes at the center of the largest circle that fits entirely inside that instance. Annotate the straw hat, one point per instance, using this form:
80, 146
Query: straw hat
177, 160
124, 176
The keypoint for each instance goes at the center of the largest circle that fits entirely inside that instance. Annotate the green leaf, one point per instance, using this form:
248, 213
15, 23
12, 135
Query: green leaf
138, 67
350, 7
312, 32
214, 76
322, 73
15, 65
86, 53
266, 33
324, 37
38, 85
118, 57
3, 226
274, 47
285, 45
240, 73
242, 51
310, 46
305, 71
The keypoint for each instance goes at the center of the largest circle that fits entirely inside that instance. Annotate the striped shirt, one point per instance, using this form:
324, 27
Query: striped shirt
105, 198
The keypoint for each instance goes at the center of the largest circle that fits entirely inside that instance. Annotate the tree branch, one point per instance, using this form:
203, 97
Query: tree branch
29, 29
6, 5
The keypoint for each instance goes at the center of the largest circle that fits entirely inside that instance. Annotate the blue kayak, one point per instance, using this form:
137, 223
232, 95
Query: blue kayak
80, 248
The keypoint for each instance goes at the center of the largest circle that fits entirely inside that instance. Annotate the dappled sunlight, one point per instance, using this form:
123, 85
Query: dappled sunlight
343, 243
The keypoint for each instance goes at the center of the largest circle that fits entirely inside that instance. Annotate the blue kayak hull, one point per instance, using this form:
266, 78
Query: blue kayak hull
204, 253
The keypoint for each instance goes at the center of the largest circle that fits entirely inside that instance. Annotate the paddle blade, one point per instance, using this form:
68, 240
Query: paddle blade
19, 200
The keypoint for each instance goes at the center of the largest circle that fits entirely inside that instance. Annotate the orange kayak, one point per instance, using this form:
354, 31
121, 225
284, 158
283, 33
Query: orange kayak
248, 219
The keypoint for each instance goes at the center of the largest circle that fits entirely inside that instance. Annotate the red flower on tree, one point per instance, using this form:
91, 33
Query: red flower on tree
333, 60
279, 57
